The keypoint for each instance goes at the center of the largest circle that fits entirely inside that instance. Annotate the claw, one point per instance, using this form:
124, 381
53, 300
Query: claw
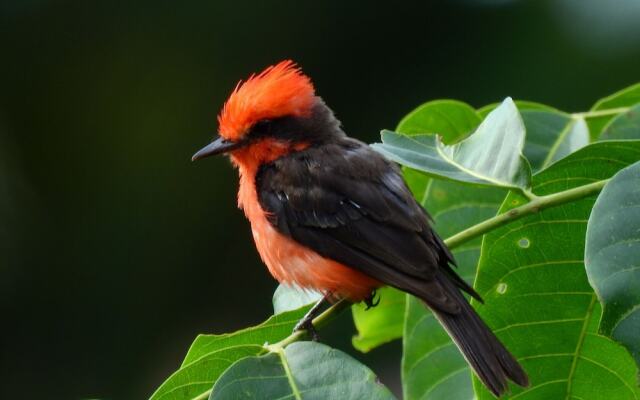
371, 301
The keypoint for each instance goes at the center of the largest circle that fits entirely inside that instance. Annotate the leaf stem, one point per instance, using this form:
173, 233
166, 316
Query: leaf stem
600, 113
535, 205
529, 194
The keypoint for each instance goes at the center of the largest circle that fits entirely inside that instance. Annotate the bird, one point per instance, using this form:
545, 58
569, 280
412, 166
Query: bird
328, 213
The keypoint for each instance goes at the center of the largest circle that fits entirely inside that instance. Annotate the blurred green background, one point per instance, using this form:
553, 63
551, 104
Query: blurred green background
116, 250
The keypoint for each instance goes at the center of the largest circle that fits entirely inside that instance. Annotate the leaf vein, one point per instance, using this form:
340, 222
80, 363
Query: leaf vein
583, 332
544, 322
614, 373
444, 379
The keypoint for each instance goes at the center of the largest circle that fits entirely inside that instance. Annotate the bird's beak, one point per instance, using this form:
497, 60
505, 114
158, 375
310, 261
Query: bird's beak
219, 146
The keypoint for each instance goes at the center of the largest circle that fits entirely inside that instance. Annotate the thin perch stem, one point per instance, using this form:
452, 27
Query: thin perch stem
535, 205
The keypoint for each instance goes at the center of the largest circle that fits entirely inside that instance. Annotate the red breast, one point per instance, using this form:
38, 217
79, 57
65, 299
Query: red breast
288, 261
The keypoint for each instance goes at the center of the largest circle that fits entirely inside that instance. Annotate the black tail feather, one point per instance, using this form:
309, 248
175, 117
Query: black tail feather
490, 360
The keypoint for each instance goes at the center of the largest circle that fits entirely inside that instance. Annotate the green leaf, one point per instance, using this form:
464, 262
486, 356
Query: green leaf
552, 135
491, 156
612, 257
451, 119
380, 324
537, 297
288, 298
625, 98
210, 355
623, 126
521, 104
303, 370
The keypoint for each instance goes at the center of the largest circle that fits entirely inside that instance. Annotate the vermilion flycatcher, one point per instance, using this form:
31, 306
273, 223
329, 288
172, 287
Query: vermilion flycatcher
328, 213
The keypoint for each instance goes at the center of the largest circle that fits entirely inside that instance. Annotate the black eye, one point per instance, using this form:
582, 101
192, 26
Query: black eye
262, 127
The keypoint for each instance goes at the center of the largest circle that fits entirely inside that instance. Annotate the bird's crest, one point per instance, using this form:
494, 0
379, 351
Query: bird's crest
278, 91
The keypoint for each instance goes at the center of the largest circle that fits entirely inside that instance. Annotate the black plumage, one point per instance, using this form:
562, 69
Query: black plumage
348, 203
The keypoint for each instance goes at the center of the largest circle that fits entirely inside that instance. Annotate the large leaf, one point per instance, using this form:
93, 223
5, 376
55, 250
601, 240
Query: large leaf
612, 257
537, 297
623, 126
552, 135
210, 355
492, 155
303, 370
453, 120
521, 104
288, 298
620, 100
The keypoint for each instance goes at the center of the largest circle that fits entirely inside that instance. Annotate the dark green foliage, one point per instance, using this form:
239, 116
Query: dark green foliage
612, 257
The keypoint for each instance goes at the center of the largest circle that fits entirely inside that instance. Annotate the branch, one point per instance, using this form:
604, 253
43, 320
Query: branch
535, 205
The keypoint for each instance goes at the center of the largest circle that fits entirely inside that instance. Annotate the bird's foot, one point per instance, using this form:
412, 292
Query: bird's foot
372, 301
307, 325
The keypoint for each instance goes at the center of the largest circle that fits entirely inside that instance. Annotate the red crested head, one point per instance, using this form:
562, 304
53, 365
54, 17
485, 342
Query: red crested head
272, 114
278, 91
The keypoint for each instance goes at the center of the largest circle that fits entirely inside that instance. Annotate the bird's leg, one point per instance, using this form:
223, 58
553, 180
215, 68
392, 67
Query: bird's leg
306, 323
371, 301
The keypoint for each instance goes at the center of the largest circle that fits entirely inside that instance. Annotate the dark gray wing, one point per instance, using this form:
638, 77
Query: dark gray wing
349, 204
